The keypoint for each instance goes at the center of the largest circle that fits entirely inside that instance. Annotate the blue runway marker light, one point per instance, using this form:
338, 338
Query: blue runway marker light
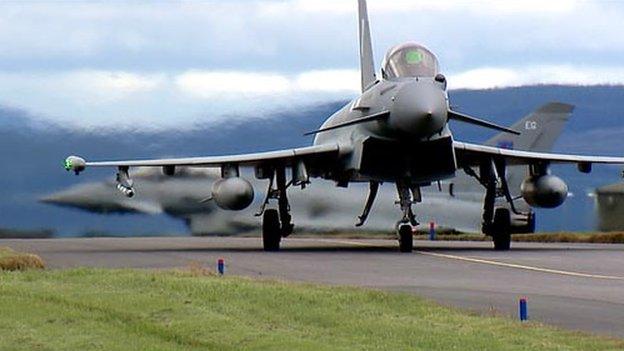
524, 313
221, 266
432, 231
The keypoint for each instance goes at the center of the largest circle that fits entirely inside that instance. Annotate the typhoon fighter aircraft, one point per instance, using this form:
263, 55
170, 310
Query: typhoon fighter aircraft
397, 131
453, 205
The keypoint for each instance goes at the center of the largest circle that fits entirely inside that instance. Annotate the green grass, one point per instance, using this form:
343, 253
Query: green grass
90, 309
12, 260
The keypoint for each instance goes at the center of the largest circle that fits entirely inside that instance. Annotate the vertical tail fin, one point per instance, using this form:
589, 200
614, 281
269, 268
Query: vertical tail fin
540, 129
367, 64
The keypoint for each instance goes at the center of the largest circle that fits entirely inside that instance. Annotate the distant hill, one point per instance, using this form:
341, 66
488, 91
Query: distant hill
31, 153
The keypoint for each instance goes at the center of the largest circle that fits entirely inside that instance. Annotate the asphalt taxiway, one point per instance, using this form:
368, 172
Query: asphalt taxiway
576, 286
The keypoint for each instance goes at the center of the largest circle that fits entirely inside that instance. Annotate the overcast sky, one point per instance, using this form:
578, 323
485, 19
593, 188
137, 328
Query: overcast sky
128, 63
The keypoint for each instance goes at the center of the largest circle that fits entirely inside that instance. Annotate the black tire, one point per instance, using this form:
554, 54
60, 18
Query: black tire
502, 229
271, 233
406, 239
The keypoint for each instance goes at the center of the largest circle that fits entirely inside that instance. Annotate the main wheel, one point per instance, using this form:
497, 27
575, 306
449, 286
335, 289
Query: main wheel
271, 233
406, 240
502, 229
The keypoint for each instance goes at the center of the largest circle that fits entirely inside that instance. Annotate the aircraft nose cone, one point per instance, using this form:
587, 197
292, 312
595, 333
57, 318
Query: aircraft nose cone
419, 109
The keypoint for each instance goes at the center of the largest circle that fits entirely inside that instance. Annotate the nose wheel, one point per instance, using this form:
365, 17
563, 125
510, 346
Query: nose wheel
408, 195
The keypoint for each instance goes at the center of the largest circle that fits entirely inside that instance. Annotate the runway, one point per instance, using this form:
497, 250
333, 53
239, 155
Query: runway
575, 286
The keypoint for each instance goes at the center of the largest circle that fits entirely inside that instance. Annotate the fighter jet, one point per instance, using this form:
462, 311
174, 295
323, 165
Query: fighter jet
397, 131
454, 205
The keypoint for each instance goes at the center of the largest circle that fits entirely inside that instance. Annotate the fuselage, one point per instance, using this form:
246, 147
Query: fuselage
413, 92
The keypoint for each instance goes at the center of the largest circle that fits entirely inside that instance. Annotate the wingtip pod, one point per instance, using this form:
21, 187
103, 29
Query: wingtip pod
75, 163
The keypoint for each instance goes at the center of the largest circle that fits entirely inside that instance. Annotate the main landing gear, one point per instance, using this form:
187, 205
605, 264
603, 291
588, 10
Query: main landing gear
271, 230
406, 239
276, 223
496, 221
501, 229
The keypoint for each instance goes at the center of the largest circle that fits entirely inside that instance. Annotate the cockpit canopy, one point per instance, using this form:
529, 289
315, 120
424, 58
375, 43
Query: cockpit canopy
409, 60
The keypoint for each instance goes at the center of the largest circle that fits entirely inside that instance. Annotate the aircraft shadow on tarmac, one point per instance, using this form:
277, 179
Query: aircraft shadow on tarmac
347, 248
249, 249
518, 249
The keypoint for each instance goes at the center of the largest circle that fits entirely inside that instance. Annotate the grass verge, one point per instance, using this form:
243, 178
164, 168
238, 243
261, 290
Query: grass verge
89, 309
12, 260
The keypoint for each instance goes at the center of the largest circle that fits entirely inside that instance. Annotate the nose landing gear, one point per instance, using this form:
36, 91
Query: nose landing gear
408, 195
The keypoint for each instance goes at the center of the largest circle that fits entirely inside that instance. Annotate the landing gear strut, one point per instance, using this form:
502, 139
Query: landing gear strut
408, 195
282, 203
496, 221
372, 194
276, 223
